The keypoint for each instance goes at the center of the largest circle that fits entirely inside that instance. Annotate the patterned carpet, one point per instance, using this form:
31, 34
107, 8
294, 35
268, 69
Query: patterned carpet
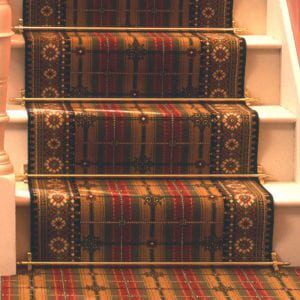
152, 284
142, 220
152, 13
151, 220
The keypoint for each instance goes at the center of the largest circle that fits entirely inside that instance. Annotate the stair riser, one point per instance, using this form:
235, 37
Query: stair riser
251, 15
286, 229
244, 14
262, 74
276, 148
286, 234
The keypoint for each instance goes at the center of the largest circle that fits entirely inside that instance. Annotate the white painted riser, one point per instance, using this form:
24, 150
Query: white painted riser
276, 142
262, 69
263, 75
287, 212
247, 14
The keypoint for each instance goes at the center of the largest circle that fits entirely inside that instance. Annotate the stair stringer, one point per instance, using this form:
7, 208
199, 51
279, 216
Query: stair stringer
279, 26
286, 239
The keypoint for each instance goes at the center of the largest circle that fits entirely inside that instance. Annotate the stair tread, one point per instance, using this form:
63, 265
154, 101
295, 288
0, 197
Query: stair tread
253, 42
274, 113
267, 114
285, 194
262, 42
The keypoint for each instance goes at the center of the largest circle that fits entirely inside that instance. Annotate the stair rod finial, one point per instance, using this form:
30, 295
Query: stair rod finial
238, 30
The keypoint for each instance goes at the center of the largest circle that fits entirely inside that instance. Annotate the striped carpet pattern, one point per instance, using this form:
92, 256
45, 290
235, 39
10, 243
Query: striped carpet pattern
143, 138
151, 220
134, 64
150, 13
141, 220
116, 283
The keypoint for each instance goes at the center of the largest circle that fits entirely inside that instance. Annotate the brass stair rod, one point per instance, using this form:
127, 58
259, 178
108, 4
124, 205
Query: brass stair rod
21, 28
128, 99
275, 263
153, 264
146, 176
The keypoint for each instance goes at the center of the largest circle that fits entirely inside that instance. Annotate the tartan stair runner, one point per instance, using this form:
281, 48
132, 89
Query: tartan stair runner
159, 283
150, 219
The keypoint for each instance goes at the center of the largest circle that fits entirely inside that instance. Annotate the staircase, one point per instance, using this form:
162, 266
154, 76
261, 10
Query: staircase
278, 138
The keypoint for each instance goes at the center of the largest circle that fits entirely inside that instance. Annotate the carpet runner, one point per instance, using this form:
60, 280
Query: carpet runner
142, 220
130, 64
151, 220
114, 283
152, 13
142, 138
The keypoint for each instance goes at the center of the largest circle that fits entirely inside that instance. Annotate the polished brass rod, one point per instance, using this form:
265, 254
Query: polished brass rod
275, 263
126, 29
153, 264
173, 100
146, 176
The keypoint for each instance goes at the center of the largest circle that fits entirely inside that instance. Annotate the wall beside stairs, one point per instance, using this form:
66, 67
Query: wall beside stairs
272, 74
294, 7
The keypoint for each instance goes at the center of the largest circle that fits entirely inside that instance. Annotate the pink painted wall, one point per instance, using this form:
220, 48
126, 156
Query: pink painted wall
294, 6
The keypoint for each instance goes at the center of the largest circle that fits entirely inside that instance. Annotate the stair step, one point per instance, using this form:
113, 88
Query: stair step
262, 68
276, 142
267, 114
274, 114
287, 209
285, 194
262, 42
253, 42
254, 20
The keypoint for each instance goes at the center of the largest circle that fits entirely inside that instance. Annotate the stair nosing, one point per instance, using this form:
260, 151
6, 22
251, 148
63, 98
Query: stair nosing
261, 42
23, 195
279, 115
